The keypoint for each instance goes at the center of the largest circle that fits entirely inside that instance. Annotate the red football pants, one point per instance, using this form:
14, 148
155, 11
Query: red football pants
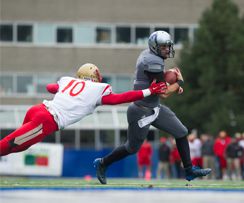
38, 123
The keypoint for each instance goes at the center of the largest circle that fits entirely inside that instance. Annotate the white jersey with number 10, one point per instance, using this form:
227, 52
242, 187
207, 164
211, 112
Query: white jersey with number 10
76, 99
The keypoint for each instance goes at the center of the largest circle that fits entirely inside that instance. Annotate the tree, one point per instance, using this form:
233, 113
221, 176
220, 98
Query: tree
213, 69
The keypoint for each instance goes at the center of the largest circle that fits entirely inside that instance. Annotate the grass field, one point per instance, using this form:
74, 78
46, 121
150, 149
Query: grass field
18, 182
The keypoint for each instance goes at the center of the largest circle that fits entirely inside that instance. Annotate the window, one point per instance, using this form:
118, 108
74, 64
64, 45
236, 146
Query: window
64, 35
123, 34
84, 34
68, 138
90, 33
123, 136
107, 138
87, 138
50, 138
25, 84
6, 84
103, 35
142, 35
181, 35
6, 33
24, 33
45, 33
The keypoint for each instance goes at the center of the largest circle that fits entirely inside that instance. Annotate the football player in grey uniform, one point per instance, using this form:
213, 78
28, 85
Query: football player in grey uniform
148, 111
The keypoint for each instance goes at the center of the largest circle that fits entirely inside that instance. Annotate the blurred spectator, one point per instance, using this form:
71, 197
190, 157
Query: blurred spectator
175, 160
163, 157
144, 157
195, 149
241, 143
208, 159
220, 145
234, 153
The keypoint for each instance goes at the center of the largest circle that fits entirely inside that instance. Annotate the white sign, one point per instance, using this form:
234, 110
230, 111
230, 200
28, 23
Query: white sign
42, 159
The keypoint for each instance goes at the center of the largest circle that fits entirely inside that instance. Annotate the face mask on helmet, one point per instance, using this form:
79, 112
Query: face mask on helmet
89, 71
157, 40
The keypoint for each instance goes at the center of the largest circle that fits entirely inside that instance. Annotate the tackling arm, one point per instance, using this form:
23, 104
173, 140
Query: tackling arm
52, 88
134, 95
125, 97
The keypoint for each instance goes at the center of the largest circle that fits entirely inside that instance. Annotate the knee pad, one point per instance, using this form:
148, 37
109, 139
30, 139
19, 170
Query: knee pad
182, 133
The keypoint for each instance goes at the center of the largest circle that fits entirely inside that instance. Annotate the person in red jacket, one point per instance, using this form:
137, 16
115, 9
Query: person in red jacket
220, 145
74, 99
144, 157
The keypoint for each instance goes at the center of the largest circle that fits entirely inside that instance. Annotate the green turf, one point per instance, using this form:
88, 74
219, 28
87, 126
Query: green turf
15, 182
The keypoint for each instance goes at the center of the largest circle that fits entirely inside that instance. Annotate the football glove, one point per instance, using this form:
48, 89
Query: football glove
158, 88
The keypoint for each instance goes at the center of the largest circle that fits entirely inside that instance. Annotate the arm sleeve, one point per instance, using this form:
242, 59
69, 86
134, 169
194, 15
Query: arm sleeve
125, 97
52, 88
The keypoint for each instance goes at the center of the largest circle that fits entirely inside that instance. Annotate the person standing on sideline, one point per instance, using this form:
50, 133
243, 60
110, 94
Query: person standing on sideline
195, 149
208, 159
220, 145
233, 153
141, 114
163, 159
241, 143
144, 160
74, 99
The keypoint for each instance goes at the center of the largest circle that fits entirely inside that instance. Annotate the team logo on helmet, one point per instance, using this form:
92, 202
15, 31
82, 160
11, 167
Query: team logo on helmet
89, 71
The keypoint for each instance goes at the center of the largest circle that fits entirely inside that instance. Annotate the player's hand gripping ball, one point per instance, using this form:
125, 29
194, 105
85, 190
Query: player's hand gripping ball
170, 76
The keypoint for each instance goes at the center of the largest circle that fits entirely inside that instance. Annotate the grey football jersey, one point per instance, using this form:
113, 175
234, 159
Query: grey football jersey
147, 61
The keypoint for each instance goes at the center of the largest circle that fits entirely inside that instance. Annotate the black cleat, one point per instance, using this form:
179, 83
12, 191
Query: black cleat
100, 170
195, 172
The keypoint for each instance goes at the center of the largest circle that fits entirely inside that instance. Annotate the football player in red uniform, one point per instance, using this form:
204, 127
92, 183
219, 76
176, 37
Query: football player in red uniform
74, 99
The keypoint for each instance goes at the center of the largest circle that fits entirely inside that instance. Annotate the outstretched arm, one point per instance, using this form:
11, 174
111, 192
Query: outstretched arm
52, 88
134, 95
125, 97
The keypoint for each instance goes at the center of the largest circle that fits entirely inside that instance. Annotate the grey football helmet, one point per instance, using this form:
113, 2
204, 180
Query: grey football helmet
159, 38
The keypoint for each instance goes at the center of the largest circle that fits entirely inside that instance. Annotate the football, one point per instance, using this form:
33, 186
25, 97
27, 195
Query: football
170, 76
